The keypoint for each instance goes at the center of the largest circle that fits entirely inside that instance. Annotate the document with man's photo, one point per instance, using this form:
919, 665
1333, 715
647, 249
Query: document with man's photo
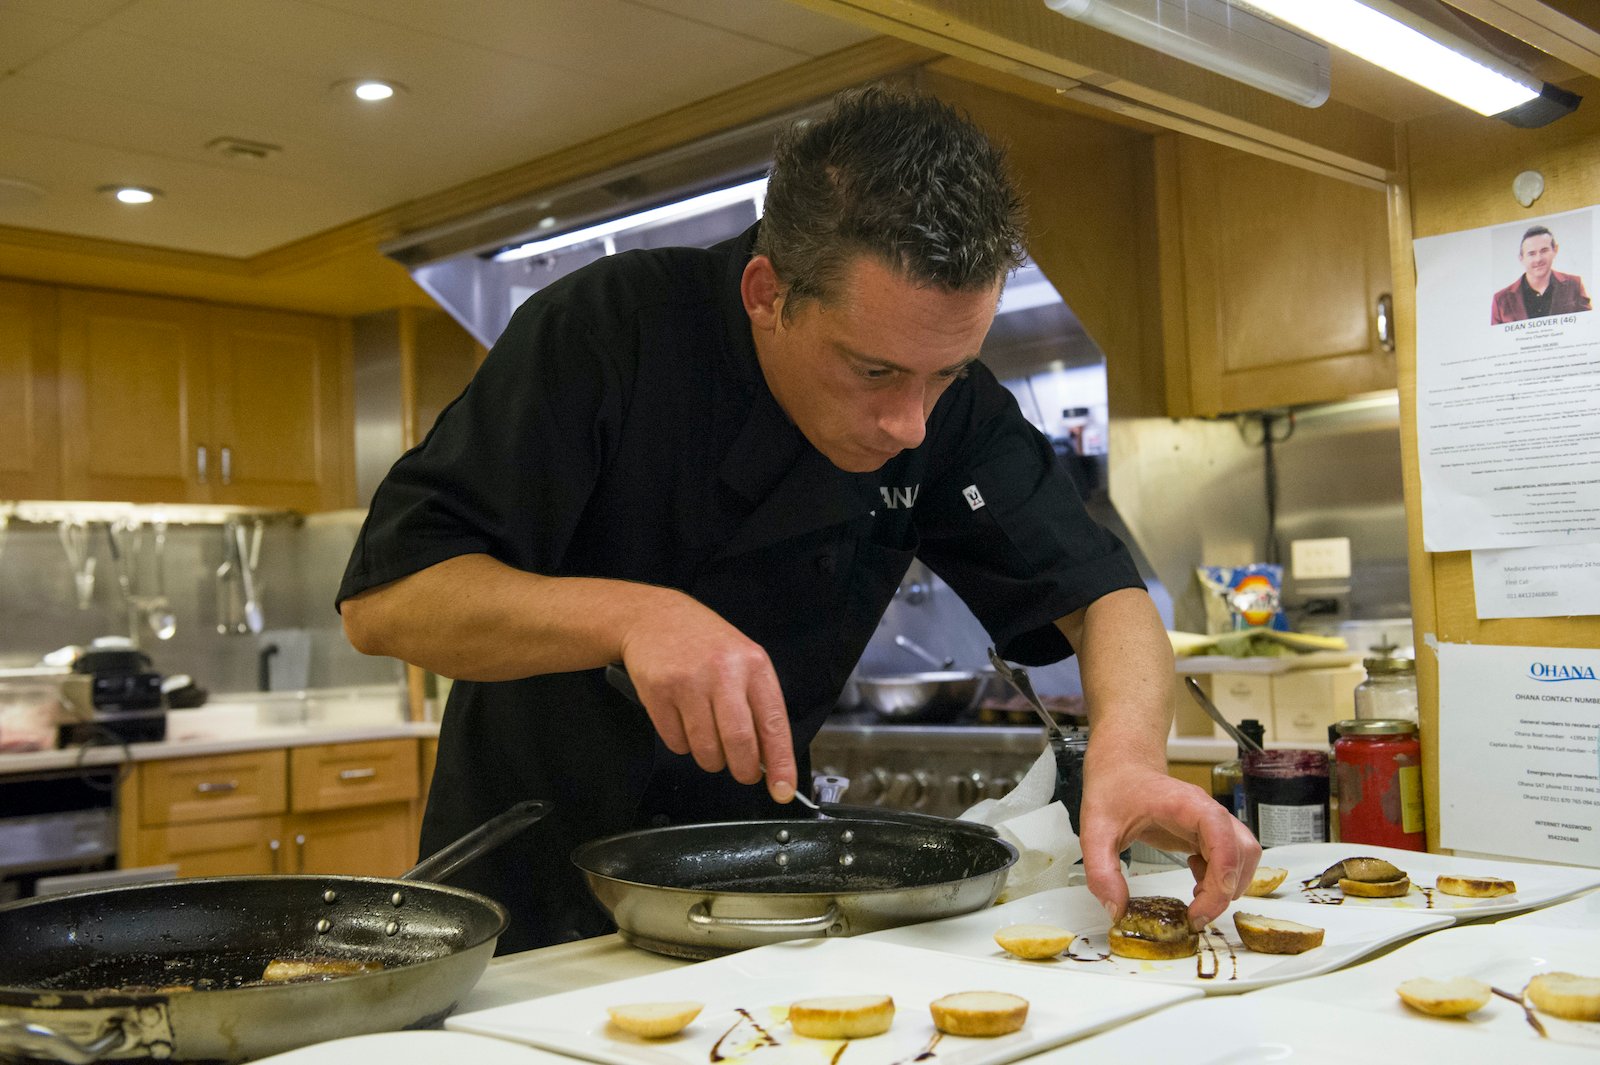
1508, 384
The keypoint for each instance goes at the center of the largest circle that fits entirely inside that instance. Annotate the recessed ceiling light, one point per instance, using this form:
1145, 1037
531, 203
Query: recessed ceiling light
131, 193
369, 90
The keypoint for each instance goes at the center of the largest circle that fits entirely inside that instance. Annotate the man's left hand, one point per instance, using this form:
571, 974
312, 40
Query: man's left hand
1123, 803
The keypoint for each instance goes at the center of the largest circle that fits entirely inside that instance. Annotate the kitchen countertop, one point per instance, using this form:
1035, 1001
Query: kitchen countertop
248, 722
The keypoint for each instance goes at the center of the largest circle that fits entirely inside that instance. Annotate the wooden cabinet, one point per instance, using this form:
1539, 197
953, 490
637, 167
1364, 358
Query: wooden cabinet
169, 401
1276, 273
29, 463
339, 808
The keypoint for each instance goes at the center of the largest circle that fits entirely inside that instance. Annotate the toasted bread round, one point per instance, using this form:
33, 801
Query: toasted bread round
979, 1013
842, 1016
1444, 998
1566, 995
1034, 941
1272, 935
654, 1020
1385, 889
1153, 928
1266, 880
1476, 887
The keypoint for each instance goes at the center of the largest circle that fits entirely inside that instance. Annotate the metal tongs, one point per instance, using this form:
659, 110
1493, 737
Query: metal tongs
1019, 680
1244, 742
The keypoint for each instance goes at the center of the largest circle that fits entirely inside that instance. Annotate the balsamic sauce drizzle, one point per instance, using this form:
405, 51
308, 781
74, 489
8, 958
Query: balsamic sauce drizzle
1527, 1011
925, 1054
763, 1038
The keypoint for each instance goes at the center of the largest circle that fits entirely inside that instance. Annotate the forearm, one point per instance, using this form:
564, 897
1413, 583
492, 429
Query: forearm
474, 618
1125, 662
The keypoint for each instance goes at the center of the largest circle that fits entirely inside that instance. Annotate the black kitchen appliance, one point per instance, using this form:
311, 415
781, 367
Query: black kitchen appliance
125, 696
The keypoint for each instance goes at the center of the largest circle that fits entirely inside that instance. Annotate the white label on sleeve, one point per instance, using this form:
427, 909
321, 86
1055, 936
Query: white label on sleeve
973, 497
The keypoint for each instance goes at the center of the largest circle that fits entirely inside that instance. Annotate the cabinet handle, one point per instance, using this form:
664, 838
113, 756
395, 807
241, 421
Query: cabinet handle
214, 787
200, 463
227, 465
1385, 314
299, 852
277, 859
357, 774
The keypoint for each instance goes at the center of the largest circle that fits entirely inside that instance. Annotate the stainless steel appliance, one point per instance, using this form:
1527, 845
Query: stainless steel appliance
935, 769
52, 823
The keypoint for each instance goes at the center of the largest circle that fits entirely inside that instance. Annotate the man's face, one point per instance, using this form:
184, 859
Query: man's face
860, 373
1538, 256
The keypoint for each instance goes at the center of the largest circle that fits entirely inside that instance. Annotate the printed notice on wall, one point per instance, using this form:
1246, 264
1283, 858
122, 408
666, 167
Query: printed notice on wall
1519, 752
1508, 384
1537, 582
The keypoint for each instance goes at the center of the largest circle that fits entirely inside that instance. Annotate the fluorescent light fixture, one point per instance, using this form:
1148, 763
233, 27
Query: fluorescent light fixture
1391, 37
373, 90
753, 191
1218, 36
135, 194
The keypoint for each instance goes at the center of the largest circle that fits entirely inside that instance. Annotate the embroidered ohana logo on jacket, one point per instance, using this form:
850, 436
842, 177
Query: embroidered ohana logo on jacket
899, 498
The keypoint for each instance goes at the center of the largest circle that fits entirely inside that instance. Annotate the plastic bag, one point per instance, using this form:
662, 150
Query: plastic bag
1243, 597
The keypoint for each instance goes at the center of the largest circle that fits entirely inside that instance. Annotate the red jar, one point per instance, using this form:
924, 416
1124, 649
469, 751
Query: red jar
1379, 763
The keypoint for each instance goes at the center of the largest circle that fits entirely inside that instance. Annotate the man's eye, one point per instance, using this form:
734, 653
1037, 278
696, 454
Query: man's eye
873, 373
953, 375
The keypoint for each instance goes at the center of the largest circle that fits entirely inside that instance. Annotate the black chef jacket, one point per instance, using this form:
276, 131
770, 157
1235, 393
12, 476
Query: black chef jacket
621, 428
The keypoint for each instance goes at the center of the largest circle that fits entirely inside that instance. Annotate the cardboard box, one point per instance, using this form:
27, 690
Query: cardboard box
1237, 695
1306, 701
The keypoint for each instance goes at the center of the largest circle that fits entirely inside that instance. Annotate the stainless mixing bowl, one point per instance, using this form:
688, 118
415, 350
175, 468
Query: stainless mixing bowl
935, 697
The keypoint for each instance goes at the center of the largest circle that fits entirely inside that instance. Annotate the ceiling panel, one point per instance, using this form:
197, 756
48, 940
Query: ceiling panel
25, 35
133, 90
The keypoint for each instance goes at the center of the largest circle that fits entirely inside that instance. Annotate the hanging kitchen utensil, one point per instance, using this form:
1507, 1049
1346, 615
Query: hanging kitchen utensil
225, 612
121, 544
80, 556
247, 578
163, 623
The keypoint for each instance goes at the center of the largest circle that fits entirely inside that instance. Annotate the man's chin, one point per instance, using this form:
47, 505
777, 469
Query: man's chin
859, 462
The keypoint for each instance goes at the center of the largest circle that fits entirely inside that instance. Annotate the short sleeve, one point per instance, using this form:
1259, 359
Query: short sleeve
1002, 523
509, 466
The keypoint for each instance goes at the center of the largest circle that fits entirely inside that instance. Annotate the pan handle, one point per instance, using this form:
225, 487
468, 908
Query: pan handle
701, 917
38, 1039
442, 863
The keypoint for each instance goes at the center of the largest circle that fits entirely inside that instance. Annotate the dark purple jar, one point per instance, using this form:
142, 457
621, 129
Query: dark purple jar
1286, 796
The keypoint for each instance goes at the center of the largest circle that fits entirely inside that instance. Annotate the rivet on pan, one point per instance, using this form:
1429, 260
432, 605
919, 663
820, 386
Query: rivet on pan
783, 835
849, 836
391, 928
330, 896
323, 926
397, 899
847, 859
783, 858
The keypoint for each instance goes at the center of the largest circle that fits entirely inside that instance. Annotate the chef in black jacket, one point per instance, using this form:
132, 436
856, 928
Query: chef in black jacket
714, 466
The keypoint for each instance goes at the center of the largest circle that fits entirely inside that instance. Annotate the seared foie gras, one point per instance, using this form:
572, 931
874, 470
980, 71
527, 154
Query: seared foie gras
1154, 927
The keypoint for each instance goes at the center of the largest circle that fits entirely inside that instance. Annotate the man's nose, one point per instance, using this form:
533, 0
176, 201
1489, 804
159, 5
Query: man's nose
905, 418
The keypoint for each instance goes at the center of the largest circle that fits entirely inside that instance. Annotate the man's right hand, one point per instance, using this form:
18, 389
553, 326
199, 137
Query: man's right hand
711, 692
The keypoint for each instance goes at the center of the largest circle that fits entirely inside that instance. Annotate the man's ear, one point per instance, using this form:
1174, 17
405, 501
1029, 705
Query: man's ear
761, 293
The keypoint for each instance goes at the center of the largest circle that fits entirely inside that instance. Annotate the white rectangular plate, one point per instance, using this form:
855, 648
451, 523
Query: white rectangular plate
1349, 934
1250, 1030
755, 987
1582, 912
1537, 885
1500, 955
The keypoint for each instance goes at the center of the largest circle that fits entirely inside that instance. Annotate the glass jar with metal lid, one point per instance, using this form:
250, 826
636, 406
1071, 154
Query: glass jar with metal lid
1390, 690
1379, 765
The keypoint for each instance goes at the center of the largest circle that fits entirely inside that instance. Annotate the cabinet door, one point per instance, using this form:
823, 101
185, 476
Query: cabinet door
1282, 271
361, 841
30, 466
339, 775
239, 847
279, 410
131, 369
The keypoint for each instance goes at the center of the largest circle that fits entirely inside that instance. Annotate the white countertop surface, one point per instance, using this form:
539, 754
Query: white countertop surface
249, 722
